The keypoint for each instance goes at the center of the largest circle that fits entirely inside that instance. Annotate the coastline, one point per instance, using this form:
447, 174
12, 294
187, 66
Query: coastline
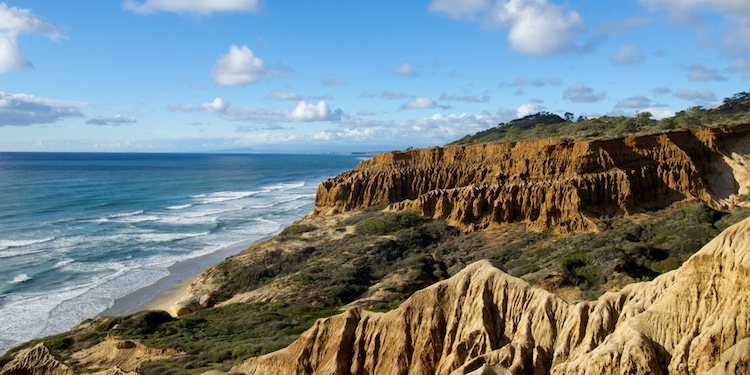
171, 288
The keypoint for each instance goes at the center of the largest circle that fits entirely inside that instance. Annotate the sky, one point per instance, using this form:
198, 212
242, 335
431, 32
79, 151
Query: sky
340, 76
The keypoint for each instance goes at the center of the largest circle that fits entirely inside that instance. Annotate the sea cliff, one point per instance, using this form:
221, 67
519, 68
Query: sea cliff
550, 183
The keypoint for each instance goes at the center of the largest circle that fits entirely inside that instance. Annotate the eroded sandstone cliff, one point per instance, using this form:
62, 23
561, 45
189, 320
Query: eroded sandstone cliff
693, 320
550, 183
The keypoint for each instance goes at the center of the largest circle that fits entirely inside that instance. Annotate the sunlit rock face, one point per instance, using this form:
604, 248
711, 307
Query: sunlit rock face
550, 183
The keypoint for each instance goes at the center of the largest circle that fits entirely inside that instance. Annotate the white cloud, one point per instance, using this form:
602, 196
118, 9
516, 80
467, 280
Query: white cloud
24, 109
536, 26
527, 109
580, 93
459, 8
699, 72
628, 54
239, 67
217, 105
420, 102
405, 70
201, 7
282, 95
113, 120
14, 22
318, 112
695, 95
659, 113
639, 101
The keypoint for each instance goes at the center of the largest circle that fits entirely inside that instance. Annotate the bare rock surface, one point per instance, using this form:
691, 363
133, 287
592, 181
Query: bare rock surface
693, 320
550, 183
35, 360
122, 355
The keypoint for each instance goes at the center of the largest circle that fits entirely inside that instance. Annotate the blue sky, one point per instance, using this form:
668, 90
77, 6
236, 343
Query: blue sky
259, 75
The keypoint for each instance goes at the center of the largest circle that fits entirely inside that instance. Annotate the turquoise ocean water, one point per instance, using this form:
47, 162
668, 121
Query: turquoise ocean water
79, 230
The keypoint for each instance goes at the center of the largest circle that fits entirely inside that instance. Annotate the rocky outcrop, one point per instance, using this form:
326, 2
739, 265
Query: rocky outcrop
110, 357
550, 183
693, 320
120, 355
35, 360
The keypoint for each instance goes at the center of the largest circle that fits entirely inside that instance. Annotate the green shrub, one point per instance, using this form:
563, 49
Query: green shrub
59, 343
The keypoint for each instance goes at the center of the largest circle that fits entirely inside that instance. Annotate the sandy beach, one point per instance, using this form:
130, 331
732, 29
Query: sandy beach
170, 289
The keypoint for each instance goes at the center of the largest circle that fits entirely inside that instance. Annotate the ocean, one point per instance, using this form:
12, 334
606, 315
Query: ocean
81, 230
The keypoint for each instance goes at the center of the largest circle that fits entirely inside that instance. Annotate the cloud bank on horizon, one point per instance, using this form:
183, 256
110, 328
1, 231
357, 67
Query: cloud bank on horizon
199, 75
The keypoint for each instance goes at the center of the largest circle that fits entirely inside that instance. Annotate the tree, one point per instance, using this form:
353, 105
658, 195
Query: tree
569, 117
737, 103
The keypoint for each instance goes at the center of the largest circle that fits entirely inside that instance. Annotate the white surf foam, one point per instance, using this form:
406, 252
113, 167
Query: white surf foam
22, 278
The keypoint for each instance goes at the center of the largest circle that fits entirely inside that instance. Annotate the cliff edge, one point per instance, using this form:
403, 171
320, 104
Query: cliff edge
550, 183
693, 320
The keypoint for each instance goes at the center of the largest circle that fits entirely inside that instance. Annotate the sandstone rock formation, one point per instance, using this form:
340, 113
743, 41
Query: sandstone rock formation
111, 357
35, 360
122, 355
693, 320
550, 183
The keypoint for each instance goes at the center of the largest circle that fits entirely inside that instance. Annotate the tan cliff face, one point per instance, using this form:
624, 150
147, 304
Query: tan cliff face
550, 183
694, 320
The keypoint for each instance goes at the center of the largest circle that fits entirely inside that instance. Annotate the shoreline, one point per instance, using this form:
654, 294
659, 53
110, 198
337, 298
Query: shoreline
173, 287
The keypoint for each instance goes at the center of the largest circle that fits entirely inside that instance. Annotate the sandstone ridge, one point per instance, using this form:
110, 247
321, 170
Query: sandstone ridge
550, 183
693, 320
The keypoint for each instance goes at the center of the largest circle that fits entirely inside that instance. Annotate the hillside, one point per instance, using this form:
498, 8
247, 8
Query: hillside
733, 110
483, 321
568, 223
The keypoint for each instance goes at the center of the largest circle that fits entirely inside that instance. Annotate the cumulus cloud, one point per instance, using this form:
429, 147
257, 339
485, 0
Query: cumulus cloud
639, 101
659, 113
14, 22
536, 26
699, 72
459, 8
113, 120
527, 109
628, 54
24, 109
420, 102
217, 105
580, 93
695, 95
281, 95
521, 81
405, 70
200, 7
318, 112
239, 67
